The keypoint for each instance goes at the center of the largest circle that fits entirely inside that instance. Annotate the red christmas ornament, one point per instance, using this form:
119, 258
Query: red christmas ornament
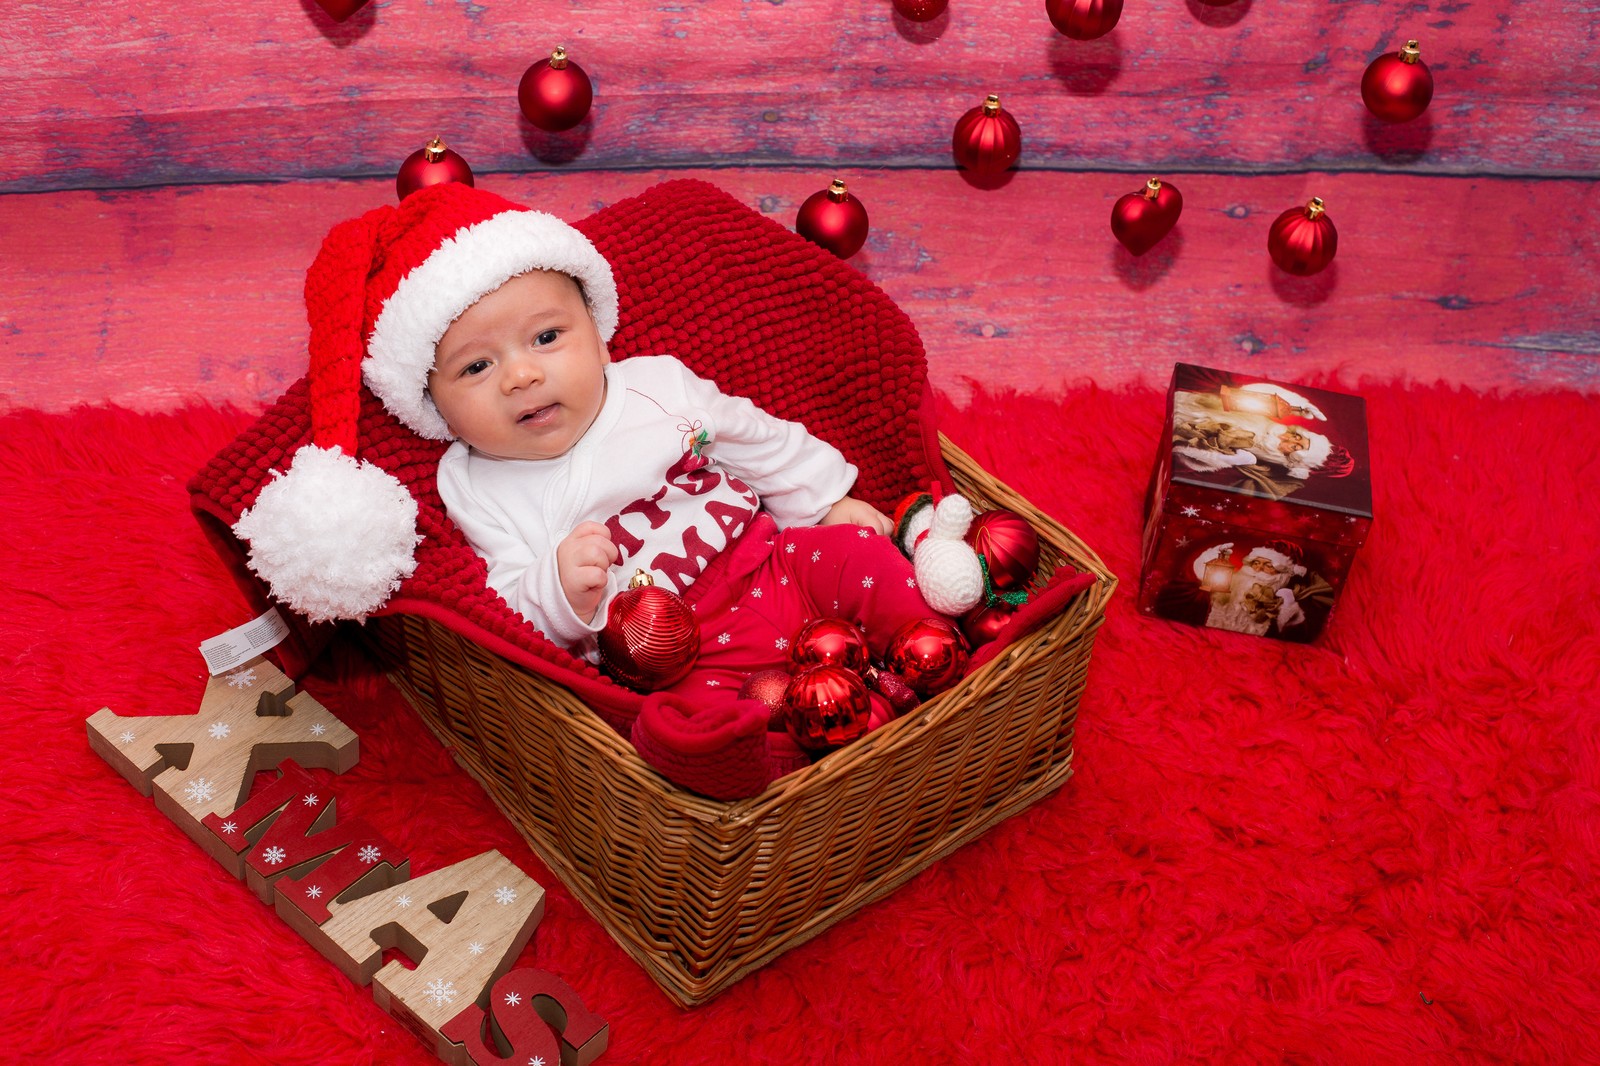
768, 686
1009, 546
983, 624
1083, 20
921, 10
555, 93
830, 642
1140, 219
1302, 240
834, 219
432, 164
929, 653
1397, 87
882, 714
987, 140
893, 688
651, 638
828, 707
339, 10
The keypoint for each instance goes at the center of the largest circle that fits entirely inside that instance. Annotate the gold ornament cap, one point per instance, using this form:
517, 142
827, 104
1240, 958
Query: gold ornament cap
1410, 53
434, 150
836, 191
1151, 188
991, 105
640, 579
1315, 209
558, 58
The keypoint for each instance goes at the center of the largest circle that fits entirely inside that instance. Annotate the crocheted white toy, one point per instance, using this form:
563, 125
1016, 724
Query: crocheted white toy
932, 535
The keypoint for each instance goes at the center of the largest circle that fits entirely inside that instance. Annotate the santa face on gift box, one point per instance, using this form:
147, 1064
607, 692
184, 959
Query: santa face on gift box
1261, 431
1257, 594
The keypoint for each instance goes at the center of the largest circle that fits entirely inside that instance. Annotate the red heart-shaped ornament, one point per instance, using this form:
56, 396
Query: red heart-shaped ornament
1142, 218
339, 10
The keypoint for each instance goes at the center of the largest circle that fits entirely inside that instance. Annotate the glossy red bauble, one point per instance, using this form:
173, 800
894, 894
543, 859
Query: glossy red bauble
1397, 87
432, 164
1009, 546
651, 638
1302, 240
1140, 219
827, 707
1083, 20
928, 653
830, 642
921, 10
984, 624
555, 93
833, 219
769, 687
882, 714
987, 140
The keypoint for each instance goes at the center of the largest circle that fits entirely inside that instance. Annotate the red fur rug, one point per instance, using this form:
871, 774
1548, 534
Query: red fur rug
1380, 848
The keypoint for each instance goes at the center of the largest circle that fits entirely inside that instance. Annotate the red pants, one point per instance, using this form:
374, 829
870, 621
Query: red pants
770, 584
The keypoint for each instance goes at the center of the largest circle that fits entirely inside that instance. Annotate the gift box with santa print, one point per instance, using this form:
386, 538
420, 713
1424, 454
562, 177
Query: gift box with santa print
1259, 500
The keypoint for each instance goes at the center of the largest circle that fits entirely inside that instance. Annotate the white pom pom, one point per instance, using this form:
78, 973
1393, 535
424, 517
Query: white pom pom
334, 536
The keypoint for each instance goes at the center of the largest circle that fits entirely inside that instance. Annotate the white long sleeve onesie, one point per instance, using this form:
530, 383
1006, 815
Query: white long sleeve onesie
634, 472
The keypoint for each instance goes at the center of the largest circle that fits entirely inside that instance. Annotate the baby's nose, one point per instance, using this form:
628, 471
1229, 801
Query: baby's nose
521, 372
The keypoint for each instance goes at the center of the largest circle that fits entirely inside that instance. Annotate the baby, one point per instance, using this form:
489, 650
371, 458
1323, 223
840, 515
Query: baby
479, 322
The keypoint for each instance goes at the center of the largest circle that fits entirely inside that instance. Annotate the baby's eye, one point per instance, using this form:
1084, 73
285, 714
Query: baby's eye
477, 366
547, 337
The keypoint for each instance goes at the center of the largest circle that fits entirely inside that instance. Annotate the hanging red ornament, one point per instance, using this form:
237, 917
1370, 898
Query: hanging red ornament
834, 219
1397, 87
555, 93
983, 624
1140, 219
892, 687
339, 10
1083, 20
651, 638
1009, 547
827, 707
432, 164
987, 140
1302, 240
921, 10
929, 653
830, 642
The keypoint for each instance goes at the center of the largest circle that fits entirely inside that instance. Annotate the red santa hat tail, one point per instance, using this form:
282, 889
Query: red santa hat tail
334, 535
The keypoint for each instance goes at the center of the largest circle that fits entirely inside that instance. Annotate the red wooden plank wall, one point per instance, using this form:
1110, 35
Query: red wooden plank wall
171, 167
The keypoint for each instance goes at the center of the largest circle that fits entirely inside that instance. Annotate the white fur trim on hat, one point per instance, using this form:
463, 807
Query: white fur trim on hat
334, 536
477, 260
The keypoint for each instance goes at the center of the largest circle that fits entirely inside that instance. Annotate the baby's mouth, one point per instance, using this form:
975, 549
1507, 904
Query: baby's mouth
537, 415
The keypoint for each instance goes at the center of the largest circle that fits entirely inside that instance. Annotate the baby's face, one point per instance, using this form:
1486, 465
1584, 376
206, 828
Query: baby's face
521, 373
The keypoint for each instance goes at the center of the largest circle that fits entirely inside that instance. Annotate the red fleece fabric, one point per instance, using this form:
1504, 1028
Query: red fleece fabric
724, 751
1380, 848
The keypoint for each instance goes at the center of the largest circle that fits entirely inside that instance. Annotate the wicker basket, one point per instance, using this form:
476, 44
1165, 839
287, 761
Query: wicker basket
701, 892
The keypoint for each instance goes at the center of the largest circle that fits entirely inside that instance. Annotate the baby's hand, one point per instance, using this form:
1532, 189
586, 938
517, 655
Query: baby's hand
582, 560
853, 512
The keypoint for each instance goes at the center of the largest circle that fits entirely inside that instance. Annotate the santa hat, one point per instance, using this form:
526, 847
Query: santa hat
1319, 455
335, 535
1281, 554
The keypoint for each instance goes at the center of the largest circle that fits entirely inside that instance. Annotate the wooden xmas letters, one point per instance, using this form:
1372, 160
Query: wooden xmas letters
342, 885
